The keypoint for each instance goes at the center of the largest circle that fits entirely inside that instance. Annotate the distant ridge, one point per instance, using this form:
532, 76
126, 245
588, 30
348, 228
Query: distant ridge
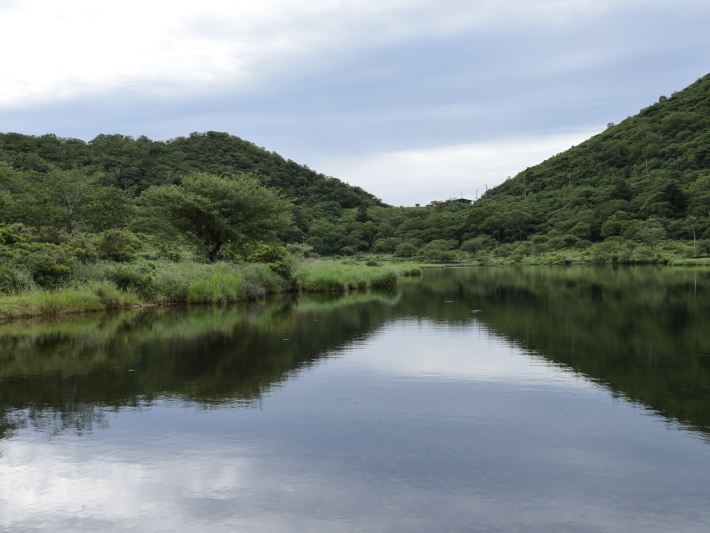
141, 162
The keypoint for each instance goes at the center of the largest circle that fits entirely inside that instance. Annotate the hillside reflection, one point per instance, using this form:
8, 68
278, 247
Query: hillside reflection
61, 373
642, 332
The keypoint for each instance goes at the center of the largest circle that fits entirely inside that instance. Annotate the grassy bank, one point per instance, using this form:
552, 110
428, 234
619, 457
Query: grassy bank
104, 286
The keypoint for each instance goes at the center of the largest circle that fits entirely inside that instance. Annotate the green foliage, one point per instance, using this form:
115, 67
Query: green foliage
213, 211
406, 249
67, 201
643, 183
482, 242
131, 165
326, 277
301, 250
131, 277
12, 280
283, 269
269, 253
118, 245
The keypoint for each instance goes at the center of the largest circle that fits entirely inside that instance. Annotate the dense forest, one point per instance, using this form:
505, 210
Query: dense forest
637, 192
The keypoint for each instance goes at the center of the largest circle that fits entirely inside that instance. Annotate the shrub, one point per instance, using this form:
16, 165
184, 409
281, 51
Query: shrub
283, 269
438, 256
13, 234
441, 245
482, 242
406, 249
11, 280
130, 277
117, 245
47, 271
109, 295
703, 246
303, 250
387, 245
269, 253
570, 240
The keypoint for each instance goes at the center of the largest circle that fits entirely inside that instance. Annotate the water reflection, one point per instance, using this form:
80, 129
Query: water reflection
53, 371
400, 411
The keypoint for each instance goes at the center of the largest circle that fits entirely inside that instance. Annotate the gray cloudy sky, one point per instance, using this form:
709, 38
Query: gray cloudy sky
412, 100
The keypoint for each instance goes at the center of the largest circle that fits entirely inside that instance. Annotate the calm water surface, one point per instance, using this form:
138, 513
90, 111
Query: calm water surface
489, 399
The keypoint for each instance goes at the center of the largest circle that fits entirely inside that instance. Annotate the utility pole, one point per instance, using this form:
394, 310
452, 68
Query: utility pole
476, 194
486, 187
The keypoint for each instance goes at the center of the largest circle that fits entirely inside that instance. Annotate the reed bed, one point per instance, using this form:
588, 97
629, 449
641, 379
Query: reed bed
322, 276
104, 286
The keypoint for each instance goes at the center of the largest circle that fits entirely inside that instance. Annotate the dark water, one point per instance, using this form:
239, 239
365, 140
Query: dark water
491, 399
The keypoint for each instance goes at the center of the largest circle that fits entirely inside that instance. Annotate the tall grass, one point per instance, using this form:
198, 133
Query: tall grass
92, 297
105, 286
325, 277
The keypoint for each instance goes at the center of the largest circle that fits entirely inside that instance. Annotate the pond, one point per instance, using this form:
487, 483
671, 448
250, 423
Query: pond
533, 399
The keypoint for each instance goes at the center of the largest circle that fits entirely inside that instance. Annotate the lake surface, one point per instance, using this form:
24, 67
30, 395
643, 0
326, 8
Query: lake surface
529, 399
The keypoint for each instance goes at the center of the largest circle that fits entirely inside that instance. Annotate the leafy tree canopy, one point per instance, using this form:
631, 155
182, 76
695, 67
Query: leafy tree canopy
214, 211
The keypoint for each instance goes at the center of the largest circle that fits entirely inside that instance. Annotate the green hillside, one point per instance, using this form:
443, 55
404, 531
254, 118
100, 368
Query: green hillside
650, 171
637, 192
135, 164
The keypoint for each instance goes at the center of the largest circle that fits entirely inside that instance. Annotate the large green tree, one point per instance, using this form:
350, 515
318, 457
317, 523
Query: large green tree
67, 201
215, 211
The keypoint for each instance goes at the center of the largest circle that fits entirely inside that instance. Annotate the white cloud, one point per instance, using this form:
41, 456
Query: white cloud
80, 47
408, 177
470, 352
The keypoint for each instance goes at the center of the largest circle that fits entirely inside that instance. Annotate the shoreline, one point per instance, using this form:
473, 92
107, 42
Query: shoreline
188, 284
230, 283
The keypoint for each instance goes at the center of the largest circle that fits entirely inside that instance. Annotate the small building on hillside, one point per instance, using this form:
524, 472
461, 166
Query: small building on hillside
464, 201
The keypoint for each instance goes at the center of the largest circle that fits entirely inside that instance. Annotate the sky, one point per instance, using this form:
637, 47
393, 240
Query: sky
413, 100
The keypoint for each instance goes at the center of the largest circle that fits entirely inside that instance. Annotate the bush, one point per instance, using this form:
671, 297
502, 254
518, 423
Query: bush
703, 246
482, 242
441, 245
406, 249
12, 280
47, 271
269, 253
13, 234
387, 245
130, 277
117, 245
109, 295
303, 250
570, 240
283, 269
438, 256
372, 263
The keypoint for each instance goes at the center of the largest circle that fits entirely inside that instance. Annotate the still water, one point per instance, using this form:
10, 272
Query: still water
488, 399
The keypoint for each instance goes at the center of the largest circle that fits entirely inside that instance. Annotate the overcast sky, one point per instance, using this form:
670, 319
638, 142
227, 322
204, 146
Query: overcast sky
413, 100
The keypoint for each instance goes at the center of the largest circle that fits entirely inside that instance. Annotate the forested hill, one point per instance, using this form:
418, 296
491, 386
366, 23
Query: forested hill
137, 164
652, 168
